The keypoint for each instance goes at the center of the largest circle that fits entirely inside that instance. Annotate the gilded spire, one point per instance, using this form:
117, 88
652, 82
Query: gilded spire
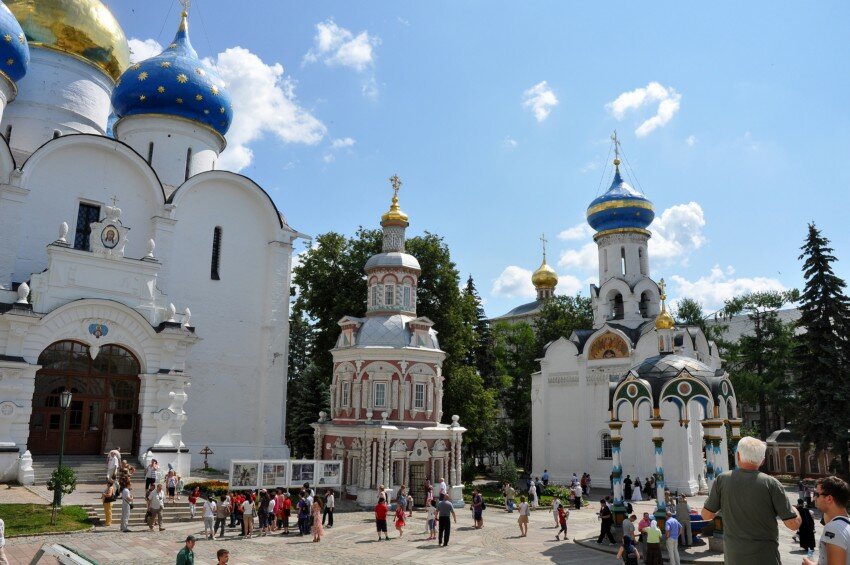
616, 149
394, 214
184, 15
664, 321
545, 277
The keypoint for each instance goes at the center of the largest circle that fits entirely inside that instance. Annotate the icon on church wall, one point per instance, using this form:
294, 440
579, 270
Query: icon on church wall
98, 330
608, 346
109, 236
244, 474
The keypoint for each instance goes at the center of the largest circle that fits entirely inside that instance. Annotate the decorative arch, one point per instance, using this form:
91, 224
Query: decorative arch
633, 392
561, 345
682, 390
399, 446
609, 344
790, 466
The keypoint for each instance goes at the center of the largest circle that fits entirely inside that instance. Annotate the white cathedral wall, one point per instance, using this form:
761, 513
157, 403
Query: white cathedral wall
637, 452
232, 366
80, 169
59, 92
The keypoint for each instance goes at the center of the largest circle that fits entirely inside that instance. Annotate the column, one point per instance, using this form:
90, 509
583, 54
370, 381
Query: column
381, 461
658, 441
451, 463
735, 424
617, 471
713, 429
458, 460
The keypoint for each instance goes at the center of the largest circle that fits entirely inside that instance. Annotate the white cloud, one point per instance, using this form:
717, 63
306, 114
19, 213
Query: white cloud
712, 290
341, 143
590, 166
335, 45
570, 285
509, 142
328, 158
584, 259
264, 102
668, 105
141, 49
691, 140
514, 282
581, 231
677, 232
541, 99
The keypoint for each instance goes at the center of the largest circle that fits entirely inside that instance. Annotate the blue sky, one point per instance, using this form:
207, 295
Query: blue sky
496, 115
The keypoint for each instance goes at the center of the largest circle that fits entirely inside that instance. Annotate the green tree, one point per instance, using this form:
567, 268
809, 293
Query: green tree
482, 353
758, 363
477, 411
689, 312
308, 396
560, 316
822, 352
300, 348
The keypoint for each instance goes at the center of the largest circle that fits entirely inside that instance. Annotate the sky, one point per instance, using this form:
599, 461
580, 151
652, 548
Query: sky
497, 117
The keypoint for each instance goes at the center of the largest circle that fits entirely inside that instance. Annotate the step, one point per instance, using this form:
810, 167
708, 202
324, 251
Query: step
176, 513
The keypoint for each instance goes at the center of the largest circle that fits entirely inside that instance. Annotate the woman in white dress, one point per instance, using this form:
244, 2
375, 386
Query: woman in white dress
636, 493
532, 494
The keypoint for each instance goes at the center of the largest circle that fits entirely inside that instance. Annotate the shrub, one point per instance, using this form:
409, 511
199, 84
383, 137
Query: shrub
64, 479
508, 473
468, 471
217, 488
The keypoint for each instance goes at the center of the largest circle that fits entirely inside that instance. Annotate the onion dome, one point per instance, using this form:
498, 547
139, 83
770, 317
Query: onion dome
664, 321
14, 50
394, 214
175, 83
621, 207
84, 29
544, 277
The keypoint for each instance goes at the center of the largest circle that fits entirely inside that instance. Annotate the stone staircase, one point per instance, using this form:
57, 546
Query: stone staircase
90, 469
176, 512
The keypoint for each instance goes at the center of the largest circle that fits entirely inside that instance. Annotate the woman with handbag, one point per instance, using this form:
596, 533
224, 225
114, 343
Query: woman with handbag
108, 498
126, 505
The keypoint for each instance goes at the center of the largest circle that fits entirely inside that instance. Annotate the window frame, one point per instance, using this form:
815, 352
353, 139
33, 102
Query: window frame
417, 387
389, 295
606, 445
407, 299
345, 396
85, 233
383, 386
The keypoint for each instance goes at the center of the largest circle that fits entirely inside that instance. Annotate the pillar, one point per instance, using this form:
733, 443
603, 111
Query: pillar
617, 472
735, 424
451, 463
658, 441
713, 429
458, 460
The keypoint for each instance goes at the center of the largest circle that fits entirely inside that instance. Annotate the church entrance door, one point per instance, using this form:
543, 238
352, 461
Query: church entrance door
104, 404
417, 483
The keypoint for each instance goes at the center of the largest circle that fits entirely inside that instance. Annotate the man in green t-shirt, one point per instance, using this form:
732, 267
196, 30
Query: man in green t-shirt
750, 502
186, 555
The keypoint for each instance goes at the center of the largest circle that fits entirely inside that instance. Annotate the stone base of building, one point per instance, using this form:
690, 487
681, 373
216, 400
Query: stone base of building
10, 459
178, 458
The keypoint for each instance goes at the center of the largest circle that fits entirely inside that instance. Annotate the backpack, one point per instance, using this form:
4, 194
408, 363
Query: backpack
631, 557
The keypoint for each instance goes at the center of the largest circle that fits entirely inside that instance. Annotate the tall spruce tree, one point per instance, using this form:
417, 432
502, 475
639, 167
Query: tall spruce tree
300, 349
823, 353
482, 353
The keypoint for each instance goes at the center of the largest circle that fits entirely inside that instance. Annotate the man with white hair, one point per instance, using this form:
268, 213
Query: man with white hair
750, 502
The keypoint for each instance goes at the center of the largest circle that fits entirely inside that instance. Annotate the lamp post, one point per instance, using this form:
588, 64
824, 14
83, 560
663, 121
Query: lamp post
64, 403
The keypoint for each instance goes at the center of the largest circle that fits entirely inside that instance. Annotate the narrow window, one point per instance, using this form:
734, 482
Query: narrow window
188, 162
605, 259
374, 295
406, 297
389, 294
813, 464
622, 260
640, 260
9, 134
216, 254
419, 396
56, 133
606, 446
380, 395
789, 463
150, 153
346, 393
86, 214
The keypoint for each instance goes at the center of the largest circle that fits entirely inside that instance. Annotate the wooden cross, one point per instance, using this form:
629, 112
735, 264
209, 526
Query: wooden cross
396, 184
544, 240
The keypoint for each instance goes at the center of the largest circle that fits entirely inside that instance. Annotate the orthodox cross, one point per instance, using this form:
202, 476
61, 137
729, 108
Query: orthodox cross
663, 287
185, 4
544, 241
114, 200
616, 145
206, 451
396, 184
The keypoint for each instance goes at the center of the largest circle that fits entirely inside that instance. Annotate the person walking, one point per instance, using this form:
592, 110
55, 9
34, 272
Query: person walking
683, 515
108, 497
329, 508
556, 504
171, 484
627, 487
150, 474
653, 544
672, 529
210, 509
629, 527
113, 462
156, 500
187, 554
222, 512
431, 513
126, 506
248, 516
193, 499
477, 509
607, 521
400, 512
750, 501
381, 511
563, 515
628, 552
445, 509
524, 513
831, 496
806, 534
316, 514
510, 497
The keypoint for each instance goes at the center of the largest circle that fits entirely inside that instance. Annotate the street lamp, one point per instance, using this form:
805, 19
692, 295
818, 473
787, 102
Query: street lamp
64, 403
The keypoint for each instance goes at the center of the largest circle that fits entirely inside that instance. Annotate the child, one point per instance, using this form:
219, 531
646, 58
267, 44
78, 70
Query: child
400, 511
193, 498
381, 510
563, 514
432, 519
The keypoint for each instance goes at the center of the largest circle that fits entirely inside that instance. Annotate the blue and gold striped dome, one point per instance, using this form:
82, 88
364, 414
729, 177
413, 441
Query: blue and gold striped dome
175, 83
621, 207
14, 49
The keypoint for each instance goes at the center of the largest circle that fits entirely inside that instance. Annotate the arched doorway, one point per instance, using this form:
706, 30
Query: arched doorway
105, 403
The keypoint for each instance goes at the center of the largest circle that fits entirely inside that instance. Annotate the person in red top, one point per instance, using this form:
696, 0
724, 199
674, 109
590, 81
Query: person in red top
399, 519
193, 498
381, 510
287, 512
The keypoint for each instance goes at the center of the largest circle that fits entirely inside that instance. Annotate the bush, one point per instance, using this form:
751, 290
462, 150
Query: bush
217, 488
63, 479
508, 473
468, 471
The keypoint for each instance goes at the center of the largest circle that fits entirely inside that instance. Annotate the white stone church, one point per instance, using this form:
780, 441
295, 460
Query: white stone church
133, 273
634, 395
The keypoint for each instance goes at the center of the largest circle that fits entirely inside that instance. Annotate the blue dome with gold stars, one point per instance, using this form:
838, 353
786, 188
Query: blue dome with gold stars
175, 83
621, 207
14, 49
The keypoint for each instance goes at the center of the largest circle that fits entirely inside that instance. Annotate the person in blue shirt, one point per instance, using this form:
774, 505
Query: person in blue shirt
545, 477
673, 527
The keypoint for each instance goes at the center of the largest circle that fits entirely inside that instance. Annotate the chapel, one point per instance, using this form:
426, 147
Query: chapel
636, 394
386, 394
134, 273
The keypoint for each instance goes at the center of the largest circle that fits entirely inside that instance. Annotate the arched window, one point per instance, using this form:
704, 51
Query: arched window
640, 261
216, 254
789, 463
623, 260
617, 310
814, 467
188, 162
770, 465
605, 445
644, 304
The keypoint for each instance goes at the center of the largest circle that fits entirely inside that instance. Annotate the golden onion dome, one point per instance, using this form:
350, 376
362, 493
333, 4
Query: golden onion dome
544, 277
664, 321
85, 29
394, 214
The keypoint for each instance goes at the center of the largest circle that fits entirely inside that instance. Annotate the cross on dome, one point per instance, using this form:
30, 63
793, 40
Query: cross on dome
394, 214
544, 241
616, 148
186, 5
114, 200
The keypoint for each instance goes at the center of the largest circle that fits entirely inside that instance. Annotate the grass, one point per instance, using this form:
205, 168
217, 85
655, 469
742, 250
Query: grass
23, 519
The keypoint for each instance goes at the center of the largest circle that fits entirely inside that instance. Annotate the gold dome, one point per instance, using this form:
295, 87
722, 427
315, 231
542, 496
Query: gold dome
85, 29
394, 214
544, 277
664, 321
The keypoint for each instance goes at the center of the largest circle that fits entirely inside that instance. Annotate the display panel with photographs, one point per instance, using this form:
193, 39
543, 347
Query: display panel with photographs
275, 474
330, 473
303, 472
244, 474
